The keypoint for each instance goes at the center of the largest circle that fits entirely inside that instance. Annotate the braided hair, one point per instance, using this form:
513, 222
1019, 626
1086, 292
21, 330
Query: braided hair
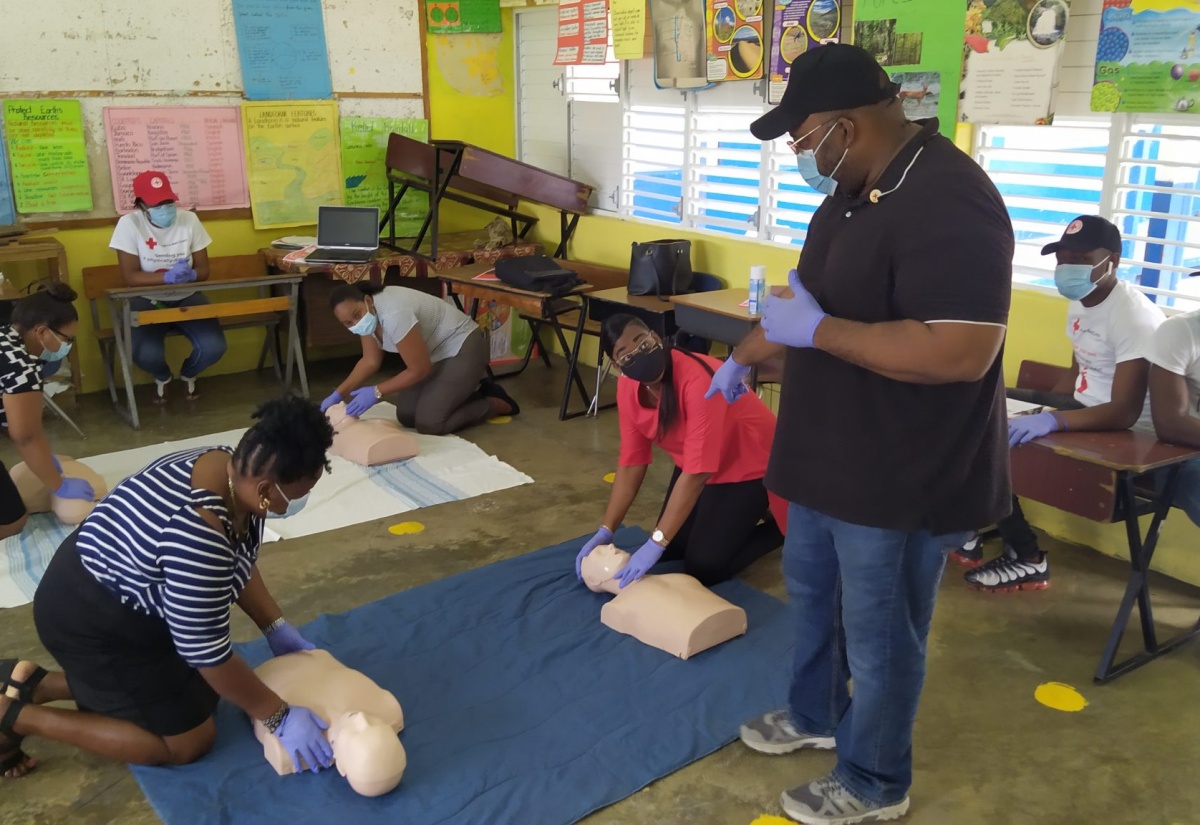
289, 441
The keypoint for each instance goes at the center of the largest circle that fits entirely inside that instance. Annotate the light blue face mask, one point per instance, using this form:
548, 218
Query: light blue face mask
1074, 281
162, 215
59, 354
365, 325
806, 163
294, 505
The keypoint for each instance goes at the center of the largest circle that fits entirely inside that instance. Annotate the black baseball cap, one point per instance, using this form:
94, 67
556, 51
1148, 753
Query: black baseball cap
826, 79
1085, 233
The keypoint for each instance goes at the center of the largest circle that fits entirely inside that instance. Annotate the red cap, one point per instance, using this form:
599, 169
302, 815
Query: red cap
152, 188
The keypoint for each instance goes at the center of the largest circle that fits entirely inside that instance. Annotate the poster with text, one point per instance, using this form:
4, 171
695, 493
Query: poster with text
734, 29
582, 32
364, 152
1012, 51
462, 16
292, 160
281, 45
1146, 59
199, 147
48, 155
917, 37
799, 25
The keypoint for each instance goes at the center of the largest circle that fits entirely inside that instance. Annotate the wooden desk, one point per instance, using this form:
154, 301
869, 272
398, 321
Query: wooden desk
540, 308
26, 249
717, 315
1105, 477
125, 319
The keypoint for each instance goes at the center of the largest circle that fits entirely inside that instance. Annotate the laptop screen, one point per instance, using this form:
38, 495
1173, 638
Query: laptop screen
356, 226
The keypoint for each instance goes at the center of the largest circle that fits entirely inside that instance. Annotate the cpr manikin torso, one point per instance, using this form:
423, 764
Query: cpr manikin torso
672, 612
40, 500
369, 441
363, 718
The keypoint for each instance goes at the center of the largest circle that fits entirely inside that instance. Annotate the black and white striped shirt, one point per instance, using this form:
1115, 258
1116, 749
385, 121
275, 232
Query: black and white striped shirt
19, 371
147, 544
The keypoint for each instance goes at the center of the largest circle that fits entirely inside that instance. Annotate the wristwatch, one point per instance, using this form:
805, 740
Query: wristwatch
659, 538
378, 394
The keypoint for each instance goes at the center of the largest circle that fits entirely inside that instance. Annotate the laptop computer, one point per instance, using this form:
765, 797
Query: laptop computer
345, 234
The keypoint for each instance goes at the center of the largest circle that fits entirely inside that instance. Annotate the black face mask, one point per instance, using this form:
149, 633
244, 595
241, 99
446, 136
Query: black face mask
645, 367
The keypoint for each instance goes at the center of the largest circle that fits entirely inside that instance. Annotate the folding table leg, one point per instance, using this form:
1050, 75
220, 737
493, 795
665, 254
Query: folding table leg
123, 338
573, 362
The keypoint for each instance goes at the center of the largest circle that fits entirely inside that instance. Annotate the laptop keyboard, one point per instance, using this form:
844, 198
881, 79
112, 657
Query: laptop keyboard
326, 254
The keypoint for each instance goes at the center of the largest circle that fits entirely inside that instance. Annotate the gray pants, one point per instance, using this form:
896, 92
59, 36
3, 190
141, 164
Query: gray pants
448, 399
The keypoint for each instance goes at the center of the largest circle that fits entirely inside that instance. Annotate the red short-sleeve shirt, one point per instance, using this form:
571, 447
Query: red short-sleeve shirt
733, 442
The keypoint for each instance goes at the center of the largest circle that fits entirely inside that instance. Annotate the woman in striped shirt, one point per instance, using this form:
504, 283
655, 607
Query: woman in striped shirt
135, 606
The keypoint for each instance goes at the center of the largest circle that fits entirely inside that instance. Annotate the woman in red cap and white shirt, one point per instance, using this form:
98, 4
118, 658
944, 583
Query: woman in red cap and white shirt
157, 244
717, 516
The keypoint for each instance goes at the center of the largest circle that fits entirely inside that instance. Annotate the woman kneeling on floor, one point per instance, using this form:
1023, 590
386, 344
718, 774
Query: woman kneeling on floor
135, 605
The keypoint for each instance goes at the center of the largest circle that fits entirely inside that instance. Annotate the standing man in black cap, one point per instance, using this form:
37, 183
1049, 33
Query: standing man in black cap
891, 440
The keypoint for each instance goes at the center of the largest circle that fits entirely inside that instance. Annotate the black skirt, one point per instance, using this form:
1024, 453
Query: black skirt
11, 506
119, 662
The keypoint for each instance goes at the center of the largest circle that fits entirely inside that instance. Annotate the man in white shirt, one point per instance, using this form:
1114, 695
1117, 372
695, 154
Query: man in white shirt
1110, 324
1174, 356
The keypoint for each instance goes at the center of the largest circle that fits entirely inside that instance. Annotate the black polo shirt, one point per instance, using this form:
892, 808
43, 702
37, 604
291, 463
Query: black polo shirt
869, 450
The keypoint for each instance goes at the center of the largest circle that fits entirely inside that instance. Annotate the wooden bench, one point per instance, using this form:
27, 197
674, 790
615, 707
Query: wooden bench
107, 284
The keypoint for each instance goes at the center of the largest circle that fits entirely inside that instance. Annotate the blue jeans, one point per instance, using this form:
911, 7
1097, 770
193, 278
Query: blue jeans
205, 335
863, 599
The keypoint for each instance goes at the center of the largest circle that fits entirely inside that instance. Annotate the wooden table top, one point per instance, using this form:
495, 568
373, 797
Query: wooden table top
725, 302
647, 303
1123, 450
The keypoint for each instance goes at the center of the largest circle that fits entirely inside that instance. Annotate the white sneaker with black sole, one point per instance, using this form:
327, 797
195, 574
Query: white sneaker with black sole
775, 734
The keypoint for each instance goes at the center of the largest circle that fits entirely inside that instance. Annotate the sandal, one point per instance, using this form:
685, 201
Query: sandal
24, 689
11, 755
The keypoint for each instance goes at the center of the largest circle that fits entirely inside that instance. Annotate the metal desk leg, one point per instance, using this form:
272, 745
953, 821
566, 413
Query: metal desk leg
573, 361
123, 338
294, 349
1141, 551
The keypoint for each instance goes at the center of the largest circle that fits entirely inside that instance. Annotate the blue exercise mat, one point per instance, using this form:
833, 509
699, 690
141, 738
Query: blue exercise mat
519, 706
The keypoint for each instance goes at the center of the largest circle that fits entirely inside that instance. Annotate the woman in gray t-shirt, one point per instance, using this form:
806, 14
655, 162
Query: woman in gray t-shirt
443, 386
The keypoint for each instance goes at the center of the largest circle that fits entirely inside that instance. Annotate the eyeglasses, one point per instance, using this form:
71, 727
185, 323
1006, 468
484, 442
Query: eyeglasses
794, 143
66, 339
647, 344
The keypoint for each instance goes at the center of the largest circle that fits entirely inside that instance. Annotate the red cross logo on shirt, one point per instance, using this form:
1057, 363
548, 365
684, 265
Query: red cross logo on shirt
1083, 385
151, 243
1074, 326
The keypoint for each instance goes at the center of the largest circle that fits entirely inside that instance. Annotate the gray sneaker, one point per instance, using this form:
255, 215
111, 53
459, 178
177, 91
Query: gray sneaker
774, 733
826, 801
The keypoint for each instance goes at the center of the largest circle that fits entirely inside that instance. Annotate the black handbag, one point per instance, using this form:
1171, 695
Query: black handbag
537, 273
661, 268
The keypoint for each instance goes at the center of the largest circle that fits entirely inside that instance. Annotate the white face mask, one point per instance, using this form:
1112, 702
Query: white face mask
294, 505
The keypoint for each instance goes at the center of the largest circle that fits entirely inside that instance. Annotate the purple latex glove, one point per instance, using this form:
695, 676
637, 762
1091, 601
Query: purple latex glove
302, 733
646, 557
334, 398
361, 400
287, 639
792, 321
729, 380
75, 488
57, 466
179, 273
603, 536
1025, 428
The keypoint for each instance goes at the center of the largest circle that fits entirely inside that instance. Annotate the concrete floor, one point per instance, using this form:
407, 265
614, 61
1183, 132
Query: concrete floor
986, 751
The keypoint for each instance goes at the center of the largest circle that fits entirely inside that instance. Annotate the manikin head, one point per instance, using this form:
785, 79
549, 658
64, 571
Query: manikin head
338, 418
367, 752
601, 565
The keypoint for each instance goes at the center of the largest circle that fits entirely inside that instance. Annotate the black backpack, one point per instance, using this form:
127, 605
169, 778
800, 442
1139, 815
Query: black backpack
537, 273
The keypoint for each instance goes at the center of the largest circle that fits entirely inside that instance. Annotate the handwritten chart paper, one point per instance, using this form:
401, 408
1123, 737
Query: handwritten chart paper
8, 210
582, 32
48, 155
199, 147
628, 28
292, 160
364, 149
281, 44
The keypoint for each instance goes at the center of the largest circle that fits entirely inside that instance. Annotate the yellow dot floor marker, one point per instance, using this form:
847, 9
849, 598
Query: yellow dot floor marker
767, 819
407, 528
500, 419
610, 477
1057, 696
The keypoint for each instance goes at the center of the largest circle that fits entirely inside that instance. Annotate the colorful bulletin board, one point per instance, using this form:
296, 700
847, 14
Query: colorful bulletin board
462, 16
292, 160
364, 151
582, 32
1147, 58
281, 44
734, 30
1013, 50
919, 43
48, 155
8, 210
199, 147
799, 25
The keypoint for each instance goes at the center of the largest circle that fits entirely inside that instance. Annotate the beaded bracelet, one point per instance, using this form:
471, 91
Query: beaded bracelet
272, 722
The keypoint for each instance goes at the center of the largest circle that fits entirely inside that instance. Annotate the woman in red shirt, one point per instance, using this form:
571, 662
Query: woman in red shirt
716, 516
